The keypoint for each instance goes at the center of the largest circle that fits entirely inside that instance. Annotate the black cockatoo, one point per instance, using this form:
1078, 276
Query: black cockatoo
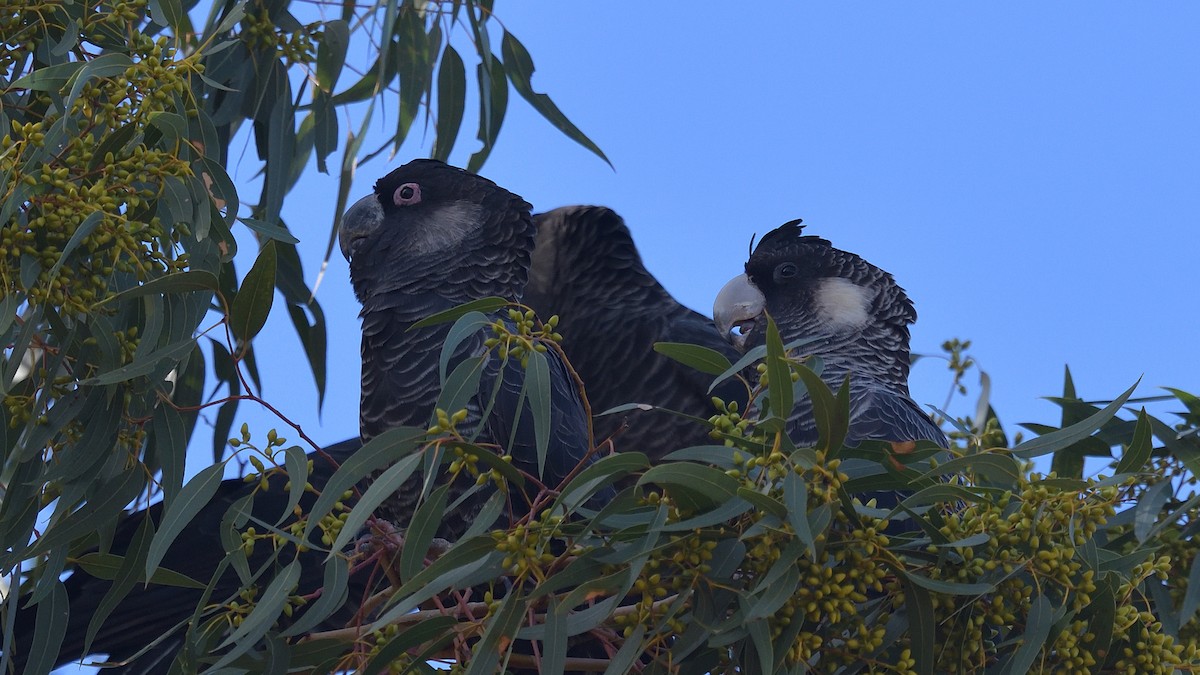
587, 271
429, 238
857, 318
149, 611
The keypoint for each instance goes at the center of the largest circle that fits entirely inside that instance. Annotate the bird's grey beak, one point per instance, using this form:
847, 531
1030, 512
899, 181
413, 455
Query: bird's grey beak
739, 305
359, 221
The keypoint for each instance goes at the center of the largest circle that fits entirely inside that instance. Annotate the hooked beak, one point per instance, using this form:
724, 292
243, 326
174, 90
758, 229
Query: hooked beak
739, 305
359, 222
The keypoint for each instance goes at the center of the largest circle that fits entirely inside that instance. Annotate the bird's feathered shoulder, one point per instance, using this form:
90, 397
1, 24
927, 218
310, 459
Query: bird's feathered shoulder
582, 255
883, 414
588, 271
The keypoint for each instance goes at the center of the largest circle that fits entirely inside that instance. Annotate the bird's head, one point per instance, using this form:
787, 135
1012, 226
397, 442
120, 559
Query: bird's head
812, 290
425, 219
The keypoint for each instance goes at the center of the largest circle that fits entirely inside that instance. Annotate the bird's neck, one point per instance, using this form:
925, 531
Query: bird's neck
876, 353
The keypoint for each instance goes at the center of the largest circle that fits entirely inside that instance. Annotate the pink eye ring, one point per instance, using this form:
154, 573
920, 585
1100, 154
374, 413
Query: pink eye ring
407, 194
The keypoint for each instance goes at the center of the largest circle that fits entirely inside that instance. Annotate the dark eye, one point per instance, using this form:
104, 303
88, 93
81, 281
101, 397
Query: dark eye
785, 271
409, 193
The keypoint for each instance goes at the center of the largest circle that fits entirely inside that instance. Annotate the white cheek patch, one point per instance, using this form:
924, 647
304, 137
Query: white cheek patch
842, 304
454, 223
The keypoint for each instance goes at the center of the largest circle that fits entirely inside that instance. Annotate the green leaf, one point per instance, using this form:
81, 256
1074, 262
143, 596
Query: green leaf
697, 487
1191, 597
436, 630
1186, 449
462, 385
628, 654
334, 593
296, 463
940, 494
720, 455
519, 66
554, 642
386, 30
221, 427
275, 231
452, 99
170, 446
779, 376
262, 617
221, 188
8, 312
368, 85
764, 503
331, 53
537, 390
1149, 508
491, 460
493, 103
483, 305
602, 472
996, 468
112, 64
195, 495
82, 232
487, 515
144, 364
487, 61
1138, 452
795, 492
760, 637
824, 404
111, 497
421, 531
500, 627
1102, 612
50, 628
1057, 440
1191, 401
783, 565
839, 426
1033, 638
49, 78
750, 357
464, 559
977, 539
106, 566
1069, 462
174, 128
382, 488
465, 327
168, 13
950, 587
770, 597
417, 52
253, 301
922, 622
384, 449
19, 509
190, 280
124, 580
703, 359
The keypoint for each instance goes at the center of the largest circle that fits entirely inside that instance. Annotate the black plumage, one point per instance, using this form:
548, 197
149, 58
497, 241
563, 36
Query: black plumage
149, 611
429, 238
587, 271
856, 317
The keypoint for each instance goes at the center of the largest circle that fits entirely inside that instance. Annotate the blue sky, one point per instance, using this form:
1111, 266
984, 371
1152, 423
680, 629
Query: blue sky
1028, 171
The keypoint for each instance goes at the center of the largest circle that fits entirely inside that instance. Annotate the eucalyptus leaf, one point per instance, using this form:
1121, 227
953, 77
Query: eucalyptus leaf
255, 297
